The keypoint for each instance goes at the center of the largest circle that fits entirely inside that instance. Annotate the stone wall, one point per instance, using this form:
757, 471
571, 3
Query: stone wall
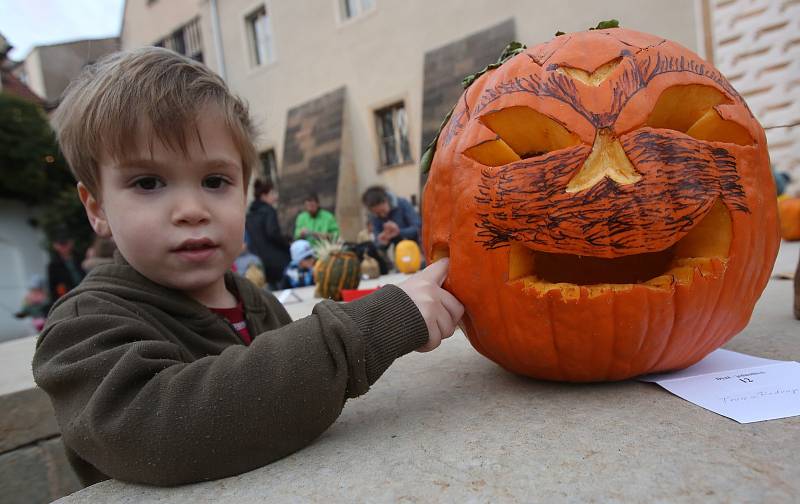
312, 155
446, 66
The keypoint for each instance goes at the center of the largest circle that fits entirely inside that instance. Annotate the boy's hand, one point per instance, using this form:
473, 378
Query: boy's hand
440, 309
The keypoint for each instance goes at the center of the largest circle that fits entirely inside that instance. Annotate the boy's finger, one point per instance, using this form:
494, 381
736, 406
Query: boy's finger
446, 326
452, 305
437, 271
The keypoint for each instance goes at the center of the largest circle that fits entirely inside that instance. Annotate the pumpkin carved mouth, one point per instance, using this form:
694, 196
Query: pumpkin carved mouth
704, 250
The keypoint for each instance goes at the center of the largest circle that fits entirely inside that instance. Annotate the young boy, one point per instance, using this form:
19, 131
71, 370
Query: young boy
299, 272
146, 362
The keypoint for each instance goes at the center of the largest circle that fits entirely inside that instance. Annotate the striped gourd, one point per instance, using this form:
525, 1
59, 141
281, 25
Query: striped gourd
335, 270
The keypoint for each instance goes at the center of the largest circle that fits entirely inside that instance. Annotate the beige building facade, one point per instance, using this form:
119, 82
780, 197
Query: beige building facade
48, 69
379, 64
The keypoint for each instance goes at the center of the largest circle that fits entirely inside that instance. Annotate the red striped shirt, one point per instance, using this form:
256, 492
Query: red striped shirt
235, 316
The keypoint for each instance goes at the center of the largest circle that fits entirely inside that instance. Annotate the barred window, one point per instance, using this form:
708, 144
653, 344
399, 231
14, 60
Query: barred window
186, 40
392, 127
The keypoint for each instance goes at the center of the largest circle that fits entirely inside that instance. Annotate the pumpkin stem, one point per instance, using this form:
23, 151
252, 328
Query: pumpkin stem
602, 25
605, 25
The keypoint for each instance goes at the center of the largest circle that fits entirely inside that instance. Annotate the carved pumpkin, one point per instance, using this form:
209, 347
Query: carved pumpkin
606, 202
407, 256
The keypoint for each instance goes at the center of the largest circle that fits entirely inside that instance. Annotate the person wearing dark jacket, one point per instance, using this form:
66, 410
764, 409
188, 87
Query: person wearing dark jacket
264, 233
393, 218
64, 271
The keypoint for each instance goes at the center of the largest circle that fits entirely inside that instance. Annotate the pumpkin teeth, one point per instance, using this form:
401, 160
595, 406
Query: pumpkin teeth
703, 251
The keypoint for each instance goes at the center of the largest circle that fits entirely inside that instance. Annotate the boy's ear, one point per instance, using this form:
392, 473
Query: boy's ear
94, 211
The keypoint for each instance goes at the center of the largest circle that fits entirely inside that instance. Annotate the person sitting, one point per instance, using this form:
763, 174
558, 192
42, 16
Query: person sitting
299, 272
393, 218
315, 223
249, 266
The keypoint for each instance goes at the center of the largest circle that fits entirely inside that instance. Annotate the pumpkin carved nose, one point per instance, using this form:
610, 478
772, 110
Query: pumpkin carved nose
607, 159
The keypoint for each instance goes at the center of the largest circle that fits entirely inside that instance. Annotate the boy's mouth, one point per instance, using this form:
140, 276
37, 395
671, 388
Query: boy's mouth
196, 249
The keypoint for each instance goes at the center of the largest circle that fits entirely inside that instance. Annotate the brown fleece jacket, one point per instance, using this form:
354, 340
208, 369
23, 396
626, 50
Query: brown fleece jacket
150, 386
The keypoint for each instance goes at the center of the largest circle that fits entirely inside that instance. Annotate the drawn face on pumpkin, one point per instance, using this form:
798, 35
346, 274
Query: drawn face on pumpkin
606, 168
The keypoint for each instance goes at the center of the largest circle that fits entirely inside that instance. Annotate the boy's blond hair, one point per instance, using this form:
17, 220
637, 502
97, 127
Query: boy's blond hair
103, 109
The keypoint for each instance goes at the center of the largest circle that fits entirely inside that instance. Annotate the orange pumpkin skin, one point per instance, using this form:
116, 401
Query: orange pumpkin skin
789, 209
479, 213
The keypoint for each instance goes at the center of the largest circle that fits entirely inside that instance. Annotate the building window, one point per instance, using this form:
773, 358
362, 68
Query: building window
355, 8
392, 127
269, 167
259, 31
186, 40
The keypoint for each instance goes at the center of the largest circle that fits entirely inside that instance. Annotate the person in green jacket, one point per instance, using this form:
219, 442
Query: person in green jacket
315, 223
165, 367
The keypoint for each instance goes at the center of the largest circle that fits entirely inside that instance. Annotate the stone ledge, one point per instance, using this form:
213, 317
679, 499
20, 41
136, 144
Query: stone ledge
36, 474
27, 416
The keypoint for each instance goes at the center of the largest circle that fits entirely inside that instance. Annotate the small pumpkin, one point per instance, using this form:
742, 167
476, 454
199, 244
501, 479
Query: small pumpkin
335, 269
407, 256
606, 202
789, 212
370, 268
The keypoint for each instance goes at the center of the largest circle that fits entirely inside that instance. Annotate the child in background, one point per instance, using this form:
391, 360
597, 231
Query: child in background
249, 266
299, 272
165, 367
35, 304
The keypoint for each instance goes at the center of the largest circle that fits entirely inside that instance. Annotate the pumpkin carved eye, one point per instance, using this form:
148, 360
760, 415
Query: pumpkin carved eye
691, 109
522, 133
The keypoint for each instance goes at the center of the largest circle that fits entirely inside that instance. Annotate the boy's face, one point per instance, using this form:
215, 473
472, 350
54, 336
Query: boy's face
177, 219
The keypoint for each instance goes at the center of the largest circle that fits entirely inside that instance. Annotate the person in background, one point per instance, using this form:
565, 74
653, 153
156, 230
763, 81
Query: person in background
249, 266
393, 218
64, 271
315, 223
300, 273
100, 252
35, 304
264, 232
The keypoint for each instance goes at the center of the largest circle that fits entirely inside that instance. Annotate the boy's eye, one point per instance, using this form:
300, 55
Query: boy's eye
148, 183
214, 182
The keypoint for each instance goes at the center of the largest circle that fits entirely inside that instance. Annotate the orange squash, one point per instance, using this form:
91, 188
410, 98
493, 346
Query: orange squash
789, 211
606, 202
407, 256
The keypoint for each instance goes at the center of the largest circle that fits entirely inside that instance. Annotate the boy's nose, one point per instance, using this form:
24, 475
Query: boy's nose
189, 209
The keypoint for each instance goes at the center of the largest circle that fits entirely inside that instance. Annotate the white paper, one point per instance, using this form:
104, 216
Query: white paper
287, 296
741, 387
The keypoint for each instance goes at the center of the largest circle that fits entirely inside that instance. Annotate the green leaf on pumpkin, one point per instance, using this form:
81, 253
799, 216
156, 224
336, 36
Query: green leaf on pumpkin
605, 25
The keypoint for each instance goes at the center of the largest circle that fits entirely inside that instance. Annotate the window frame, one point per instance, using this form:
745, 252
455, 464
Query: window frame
268, 169
252, 39
399, 138
188, 37
362, 12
